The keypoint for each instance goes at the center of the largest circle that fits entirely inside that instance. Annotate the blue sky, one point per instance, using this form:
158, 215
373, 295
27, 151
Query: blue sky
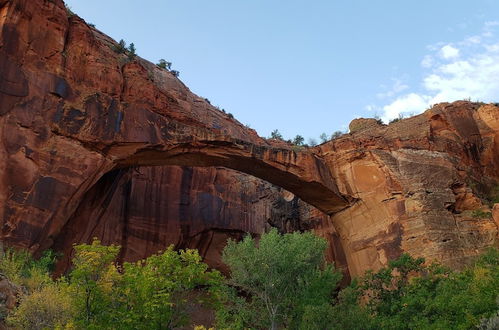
308, 67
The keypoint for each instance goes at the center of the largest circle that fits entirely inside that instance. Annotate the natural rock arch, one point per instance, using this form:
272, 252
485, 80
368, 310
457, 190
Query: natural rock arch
84, 110
302, 173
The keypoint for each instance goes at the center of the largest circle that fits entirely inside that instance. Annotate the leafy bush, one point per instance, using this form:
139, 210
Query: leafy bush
20, 267
98, 294
409, 295
120, 48
150, 293
48, 308
154, 293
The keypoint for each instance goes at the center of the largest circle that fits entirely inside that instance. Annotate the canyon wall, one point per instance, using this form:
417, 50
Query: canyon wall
96, 143
426, 185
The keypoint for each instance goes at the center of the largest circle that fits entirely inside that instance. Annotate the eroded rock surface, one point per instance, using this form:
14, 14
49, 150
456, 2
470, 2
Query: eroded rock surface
148, 208
423, 185
97, 144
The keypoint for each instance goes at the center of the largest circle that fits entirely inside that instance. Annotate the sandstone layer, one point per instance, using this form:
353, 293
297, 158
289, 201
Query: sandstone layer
424, 185
95, 143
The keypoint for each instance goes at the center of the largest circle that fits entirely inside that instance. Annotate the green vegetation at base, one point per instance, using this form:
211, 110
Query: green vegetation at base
276, 282
407, 294
285, 281
21, 269
97, 294
411, 295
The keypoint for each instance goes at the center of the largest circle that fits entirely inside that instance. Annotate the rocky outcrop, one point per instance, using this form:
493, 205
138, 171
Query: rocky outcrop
422, 185
96, 143
8, 297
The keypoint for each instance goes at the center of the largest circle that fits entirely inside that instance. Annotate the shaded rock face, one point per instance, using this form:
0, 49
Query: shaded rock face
148, 208
95, 144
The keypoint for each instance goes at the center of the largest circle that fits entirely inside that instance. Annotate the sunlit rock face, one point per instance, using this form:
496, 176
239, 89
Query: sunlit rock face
95, 144
424, 185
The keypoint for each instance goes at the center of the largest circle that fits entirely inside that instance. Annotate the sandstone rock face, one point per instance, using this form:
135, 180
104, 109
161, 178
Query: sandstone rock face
418, 185
360, 124
148, 208
8, 296
96, 144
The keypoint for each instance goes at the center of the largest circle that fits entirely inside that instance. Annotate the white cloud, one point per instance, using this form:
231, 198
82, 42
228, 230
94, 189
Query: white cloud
409, 103
397, 87
452, 73
448, 52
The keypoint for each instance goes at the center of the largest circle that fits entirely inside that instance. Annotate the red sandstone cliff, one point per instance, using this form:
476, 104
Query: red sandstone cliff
420, 185
95, 144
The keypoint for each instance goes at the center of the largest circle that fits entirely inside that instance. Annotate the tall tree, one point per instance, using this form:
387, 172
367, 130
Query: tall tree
284, 276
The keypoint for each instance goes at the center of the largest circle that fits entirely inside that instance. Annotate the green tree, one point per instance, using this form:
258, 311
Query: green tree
298, 140
312, 142
155, 293
164, 64
22, 269
92, 281
284, 276
132, 51
407, 294
323, 137
336, 135
275, 134
120, 48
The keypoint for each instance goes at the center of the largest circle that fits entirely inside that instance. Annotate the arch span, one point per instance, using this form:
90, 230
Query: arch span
302, 173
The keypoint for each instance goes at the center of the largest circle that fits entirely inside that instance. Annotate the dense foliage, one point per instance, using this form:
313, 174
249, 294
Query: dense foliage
276, 282
411, 295
148, 294
284, 279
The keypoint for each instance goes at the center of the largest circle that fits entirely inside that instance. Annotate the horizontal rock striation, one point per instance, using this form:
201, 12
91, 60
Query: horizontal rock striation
425, 185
